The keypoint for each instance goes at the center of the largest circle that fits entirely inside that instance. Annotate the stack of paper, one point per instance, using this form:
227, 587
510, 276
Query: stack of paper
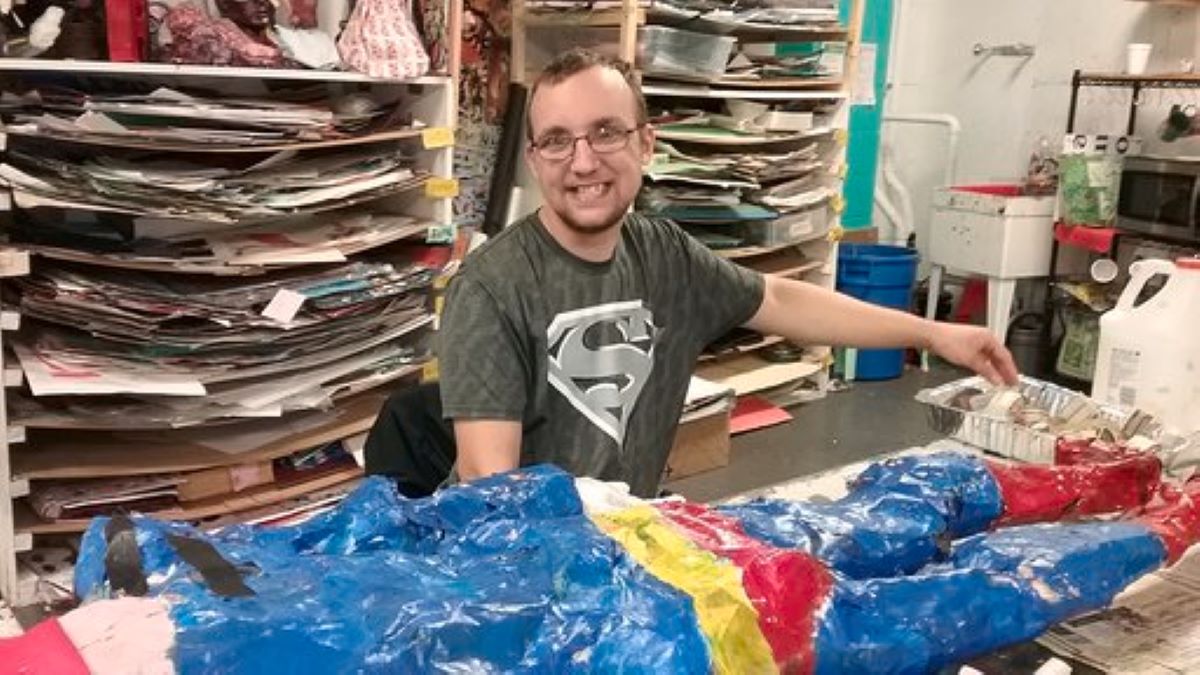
208, 189
714, 16
705, 398
171, 351
198, 247
164, 494
170, 119
717, 191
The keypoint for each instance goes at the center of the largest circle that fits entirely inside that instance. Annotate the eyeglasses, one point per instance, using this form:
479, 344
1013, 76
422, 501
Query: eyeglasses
604, 139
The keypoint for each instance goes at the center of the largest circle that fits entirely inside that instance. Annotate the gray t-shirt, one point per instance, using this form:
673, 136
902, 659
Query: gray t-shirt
592, 358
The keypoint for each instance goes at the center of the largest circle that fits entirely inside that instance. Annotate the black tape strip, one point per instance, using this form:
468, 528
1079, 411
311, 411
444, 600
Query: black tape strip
221, 576
122, 559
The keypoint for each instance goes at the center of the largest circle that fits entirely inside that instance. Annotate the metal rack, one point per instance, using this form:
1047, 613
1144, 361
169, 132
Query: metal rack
1136, 84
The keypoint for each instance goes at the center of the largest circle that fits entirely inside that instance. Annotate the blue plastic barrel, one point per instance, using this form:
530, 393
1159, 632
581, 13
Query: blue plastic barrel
883, 275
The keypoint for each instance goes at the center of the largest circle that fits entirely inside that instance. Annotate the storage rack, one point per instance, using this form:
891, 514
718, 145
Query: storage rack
431, 98
820, 250
1103, 240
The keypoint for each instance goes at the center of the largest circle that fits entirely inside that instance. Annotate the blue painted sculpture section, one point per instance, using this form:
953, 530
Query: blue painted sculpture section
899, 515
506, 575
995, 589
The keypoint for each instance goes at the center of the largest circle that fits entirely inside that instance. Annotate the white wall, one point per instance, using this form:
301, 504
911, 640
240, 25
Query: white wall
1006, 104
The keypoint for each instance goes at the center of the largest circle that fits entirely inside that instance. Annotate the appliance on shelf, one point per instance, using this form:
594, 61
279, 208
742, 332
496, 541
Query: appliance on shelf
1161, 196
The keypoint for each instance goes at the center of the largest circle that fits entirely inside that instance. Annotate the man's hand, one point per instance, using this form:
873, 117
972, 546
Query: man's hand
975, 348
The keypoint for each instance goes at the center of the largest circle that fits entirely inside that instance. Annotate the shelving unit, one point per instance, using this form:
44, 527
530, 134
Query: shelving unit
1104, 240
817, 252
62, 450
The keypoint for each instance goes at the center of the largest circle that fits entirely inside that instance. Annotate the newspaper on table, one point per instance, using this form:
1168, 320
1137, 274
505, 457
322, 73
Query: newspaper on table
1152, 628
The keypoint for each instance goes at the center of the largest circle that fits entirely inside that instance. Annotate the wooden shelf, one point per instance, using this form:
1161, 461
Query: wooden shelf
750, 373
1148, 81
143, 144
673, 18
728, 91
603, 18
159, 70
746, 252
763, 343
793, 83
75, 454
28, 522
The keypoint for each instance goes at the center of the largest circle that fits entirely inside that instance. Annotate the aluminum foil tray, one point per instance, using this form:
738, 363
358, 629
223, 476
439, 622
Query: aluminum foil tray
1001, 435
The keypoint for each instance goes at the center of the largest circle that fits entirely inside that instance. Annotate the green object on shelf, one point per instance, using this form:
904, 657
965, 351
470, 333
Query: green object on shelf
1089, 184
1081, 341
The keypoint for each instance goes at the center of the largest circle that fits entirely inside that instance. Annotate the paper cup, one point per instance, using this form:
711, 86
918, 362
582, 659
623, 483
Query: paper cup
1104, 270
1137, 57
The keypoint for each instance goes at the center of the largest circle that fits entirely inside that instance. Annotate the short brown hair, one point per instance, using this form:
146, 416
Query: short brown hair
576, 61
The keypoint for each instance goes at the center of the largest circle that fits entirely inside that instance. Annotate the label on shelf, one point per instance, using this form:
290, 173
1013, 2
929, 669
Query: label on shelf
437, 137
835, 233
441, 234
284, 306
441, 188
842, 170
837, 203
841, 136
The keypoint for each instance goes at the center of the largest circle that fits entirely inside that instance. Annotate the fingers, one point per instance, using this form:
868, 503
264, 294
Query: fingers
1001, 361
982, 364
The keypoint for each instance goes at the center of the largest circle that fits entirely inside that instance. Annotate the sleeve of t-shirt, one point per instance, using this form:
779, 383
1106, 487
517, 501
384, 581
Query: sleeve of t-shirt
481, 369
720, 294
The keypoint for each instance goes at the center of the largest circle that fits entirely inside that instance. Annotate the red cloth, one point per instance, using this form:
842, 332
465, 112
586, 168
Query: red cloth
787, 588
1096, 239
1036, 493
1174, 516
195, 38
43, 650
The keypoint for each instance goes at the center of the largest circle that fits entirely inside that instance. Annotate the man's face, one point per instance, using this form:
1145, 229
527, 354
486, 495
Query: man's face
588, 192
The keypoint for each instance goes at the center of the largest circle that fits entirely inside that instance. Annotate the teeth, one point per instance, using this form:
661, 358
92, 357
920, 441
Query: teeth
589, 191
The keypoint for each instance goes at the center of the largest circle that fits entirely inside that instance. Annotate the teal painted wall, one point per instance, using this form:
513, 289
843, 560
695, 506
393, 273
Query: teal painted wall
863, 151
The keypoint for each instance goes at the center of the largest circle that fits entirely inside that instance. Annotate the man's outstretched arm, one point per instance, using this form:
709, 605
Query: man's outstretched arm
808, 314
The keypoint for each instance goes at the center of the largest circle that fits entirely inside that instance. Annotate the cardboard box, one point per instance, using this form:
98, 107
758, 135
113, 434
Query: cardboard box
223, 480
700, 445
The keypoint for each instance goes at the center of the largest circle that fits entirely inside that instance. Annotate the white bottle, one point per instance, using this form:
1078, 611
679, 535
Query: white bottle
1149, 355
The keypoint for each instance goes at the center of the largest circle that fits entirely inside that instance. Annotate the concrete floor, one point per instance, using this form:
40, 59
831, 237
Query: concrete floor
866, 420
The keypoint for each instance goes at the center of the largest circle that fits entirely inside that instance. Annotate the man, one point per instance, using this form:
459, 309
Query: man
571, 336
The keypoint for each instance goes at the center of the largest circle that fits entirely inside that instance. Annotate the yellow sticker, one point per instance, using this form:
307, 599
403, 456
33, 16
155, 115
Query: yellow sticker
841, 136
441, 188
429, 372
437, 137
838, 203
843, 169
835, 233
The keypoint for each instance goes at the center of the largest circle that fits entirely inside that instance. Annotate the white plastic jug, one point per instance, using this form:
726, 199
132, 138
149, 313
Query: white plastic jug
1149, 355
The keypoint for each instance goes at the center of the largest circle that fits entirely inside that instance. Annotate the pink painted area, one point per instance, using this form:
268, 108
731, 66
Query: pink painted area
786, 587
44, 650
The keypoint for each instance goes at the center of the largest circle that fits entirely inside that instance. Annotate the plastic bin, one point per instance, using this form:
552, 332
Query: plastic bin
670, 50
806, 223
882, 275
661, 50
